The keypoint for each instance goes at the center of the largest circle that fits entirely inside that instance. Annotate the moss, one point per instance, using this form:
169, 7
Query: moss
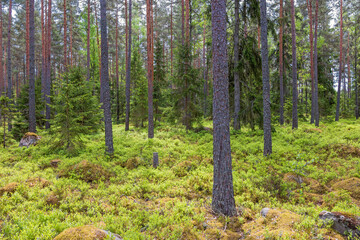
37, 181
132, 163
86, 171
53, 199
9, 188
315, 186
82, 233
183, 168
352, 185
311, 130
28, 134
343, 150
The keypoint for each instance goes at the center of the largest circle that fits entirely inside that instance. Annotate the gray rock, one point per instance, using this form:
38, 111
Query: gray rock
113, 236
343, 223
264, 212
29, 139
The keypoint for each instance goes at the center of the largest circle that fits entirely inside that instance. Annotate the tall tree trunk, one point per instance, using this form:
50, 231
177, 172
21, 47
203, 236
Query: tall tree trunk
117, 67
281, 64
43, 47
294, 68
348, 66
71, 38
266, 80
205, 70
9, 74
357, 113
65, 37
105, 81
171, 38
88, 41
316, 77
48, 69
32, 116
2, 81
182, 21
150, 67
309, 5
27, 38
236, 72
223, 194
340, 63
128, 68
126, 34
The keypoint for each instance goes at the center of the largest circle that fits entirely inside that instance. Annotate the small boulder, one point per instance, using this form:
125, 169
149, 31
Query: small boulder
264, 212
87, 232
29, 139
343, 223
10, 188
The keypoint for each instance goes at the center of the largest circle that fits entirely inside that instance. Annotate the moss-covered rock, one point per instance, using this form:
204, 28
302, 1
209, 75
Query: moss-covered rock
9, 188
352, 185
86, 171
87, 232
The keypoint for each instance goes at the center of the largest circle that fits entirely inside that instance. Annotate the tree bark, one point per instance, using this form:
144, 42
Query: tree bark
348, 66
236, 72
128, 68
357, 113
105, 80
340, 63
171, 38
223, 194
117, 67
27, 38
71, 39
205, 70
281, 64
32, 116
294, 69
9, 74
88, 41
2, 81
65, 37
48, 69
266, 80
150, 67
316, 77
182, 21
309, 5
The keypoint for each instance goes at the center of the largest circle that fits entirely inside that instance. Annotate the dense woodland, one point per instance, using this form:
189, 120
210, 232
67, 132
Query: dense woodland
187, 119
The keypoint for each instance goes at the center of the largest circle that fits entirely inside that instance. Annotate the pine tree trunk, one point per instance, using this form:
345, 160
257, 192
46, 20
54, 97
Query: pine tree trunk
71, 38
316, 77
171, 38
150, 67
309, 5
236, 72
266, 80
43, 47
281, 64
340, 63
99, 48
27, 38
105, 80
32, 116
294, 69
357, 113
88, 41
182, 21
48, 69
65, 37
2, 79
348, 66
204, 70
9, 74
223, 194
128, 68
117, 67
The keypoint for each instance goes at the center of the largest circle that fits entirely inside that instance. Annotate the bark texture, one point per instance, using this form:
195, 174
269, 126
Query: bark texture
281, 64
32, 117
9, 74
105, 81
236, 72
309, 5
2, 81
88, 42
316, 78
48, 69
128, 68
223, 194
150, 67
337, 116
266, 80
294, 69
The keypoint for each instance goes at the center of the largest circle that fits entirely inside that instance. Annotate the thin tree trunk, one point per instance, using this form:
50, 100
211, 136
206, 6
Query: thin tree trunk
348, 66
281, 64
71, 38
236, 72
32, 116
105, 80
182, 21
150, 67
2, 81
266, 80
48, 67
223, 194
171, 38
309, 5
88, 41
9, 74
99, 49
43, 47
128, 59
117, 67
316, 77
126, 34
27, 38
294, 69
340, 63
356, 76
204, 69
65, 37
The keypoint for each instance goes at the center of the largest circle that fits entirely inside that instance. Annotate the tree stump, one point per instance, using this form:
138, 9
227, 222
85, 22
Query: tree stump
155, 159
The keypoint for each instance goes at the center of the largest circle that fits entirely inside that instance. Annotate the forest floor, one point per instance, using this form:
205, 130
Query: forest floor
310, 170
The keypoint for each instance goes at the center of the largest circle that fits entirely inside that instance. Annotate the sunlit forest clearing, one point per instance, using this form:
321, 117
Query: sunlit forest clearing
185, 119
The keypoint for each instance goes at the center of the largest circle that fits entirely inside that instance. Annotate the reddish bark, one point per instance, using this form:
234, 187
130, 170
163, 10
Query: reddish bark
348, 66
71, 38
65, 36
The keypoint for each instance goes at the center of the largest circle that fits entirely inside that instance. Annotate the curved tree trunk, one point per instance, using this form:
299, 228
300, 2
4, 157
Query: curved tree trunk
266, 80
223, 194
281, 64
294, 68
105, 81
128, 68
32, 117
337, 116
150, 67
236, 72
